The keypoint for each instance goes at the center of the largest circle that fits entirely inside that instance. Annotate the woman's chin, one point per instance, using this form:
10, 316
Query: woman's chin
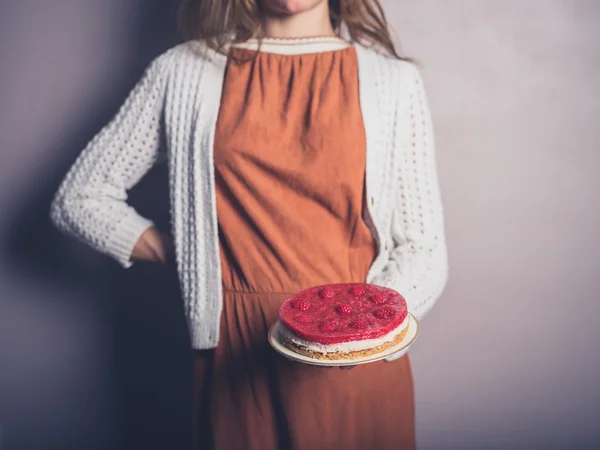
290, 7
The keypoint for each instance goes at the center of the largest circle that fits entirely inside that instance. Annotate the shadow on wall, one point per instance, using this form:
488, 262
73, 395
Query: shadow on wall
152, 359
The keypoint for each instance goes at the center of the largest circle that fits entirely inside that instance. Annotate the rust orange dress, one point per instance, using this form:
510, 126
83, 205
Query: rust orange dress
290, 166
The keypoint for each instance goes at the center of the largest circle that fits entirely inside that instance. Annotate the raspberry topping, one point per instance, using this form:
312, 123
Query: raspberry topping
359, 324
303, 319
343, 312
379, 299
301, 304
357, 290
329, 326
327, 293
344, 309
384, 313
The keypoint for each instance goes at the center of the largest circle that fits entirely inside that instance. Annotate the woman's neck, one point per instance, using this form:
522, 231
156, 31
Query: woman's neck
314, 22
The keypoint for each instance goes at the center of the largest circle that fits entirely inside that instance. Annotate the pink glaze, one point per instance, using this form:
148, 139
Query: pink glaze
344, 312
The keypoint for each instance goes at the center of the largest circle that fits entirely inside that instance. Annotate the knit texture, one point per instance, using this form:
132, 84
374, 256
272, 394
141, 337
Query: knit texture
179, 94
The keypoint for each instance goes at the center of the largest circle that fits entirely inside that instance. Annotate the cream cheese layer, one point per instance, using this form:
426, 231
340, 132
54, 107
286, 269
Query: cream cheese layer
343, 347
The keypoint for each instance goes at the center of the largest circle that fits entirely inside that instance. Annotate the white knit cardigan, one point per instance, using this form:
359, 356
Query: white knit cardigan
179, 94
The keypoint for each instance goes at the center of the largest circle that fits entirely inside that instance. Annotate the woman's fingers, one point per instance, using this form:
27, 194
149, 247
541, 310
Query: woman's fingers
341, 367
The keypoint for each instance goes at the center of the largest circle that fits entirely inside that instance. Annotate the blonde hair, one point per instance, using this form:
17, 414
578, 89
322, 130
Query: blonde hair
222, 22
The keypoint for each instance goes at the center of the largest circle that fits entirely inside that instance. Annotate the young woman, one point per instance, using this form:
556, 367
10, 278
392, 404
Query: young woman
296, 158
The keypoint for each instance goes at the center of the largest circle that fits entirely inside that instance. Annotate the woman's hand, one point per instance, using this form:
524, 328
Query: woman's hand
154, 246
325, 367
341, 367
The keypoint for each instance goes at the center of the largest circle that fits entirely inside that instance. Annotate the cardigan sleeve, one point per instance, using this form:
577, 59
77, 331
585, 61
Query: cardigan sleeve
417, 266
91, 201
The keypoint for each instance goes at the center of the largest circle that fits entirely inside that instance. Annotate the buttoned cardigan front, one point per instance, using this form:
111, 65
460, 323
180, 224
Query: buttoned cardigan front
179, 95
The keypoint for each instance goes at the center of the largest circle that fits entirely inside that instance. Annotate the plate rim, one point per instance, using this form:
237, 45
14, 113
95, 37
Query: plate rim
289, 354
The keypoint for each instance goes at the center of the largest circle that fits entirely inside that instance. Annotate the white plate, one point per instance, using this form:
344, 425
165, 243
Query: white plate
397, 350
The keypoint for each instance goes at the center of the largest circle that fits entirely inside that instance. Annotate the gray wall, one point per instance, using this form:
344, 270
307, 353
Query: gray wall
507, 359
510, 355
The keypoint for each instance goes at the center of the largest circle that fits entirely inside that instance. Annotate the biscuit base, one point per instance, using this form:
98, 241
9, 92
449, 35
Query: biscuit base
359, 354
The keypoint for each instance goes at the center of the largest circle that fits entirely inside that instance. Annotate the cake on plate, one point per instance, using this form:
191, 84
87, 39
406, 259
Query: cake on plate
343, 321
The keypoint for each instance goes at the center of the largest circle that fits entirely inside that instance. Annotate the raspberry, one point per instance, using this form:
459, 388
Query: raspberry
303, 319
359, 324
379, 299
301, 304
357, 290
344, 309
327, 293
329, 326
384, 313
